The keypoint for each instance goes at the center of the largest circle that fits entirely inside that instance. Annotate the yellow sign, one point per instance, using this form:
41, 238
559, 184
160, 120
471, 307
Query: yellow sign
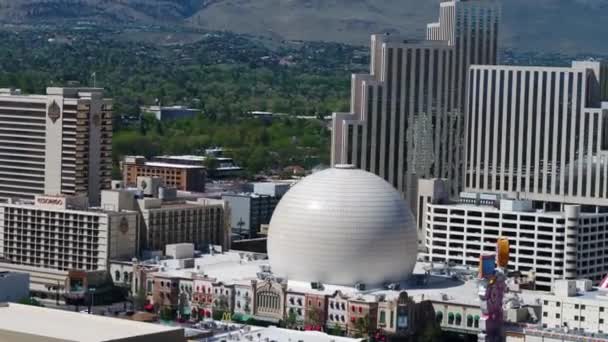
227, 316
502, 252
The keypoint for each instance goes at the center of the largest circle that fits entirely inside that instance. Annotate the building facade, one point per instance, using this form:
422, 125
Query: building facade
58, 143
407, 115
575, 308
551, 245
223, 166
539, 133
204, 222
60, 234
248, 211
177, 176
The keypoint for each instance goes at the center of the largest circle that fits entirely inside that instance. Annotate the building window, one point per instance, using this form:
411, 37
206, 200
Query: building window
469, 321
576, 306
582, 318
546, 302
583, 307
439, 317
450, 318
558, 304
601, 309
382, 319
545, 314
601, 321
117, 276
576, 318
557, 315
458, 319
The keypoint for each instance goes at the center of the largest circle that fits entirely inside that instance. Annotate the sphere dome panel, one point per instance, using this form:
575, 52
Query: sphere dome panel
342, 226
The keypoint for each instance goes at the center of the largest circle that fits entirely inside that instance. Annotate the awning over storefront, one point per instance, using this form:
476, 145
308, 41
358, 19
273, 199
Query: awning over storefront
241, 317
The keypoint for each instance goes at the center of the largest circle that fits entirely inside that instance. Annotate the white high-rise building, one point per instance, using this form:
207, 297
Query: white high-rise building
58, 143
549, 245
539, 133
59, 240
407, 115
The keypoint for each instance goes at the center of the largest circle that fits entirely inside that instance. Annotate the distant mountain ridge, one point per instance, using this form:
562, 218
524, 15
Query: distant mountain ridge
551, 25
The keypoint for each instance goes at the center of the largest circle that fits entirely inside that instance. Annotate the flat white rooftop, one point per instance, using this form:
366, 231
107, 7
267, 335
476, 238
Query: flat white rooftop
231, 268
18, 322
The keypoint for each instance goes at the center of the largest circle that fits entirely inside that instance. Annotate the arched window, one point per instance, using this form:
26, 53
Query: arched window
439, 317
458, 319
469, 321
126, 277
476, 321
450, 318
117, 276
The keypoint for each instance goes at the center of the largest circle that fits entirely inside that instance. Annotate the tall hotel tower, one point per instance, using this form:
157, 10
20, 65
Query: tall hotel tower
407, 114
58, 143
539, 133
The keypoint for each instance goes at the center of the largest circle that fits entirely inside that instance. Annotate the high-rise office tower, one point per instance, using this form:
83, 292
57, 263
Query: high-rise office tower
407, 115
58, 143
539, 133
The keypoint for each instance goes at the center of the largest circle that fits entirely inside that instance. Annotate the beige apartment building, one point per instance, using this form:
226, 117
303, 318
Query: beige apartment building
172, 219
201, 222
58, 143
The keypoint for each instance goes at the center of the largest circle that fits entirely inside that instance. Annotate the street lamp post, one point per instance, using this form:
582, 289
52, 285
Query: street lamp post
57, 293
91, 302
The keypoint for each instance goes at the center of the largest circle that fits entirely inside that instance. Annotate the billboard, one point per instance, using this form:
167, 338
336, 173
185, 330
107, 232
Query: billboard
487, 265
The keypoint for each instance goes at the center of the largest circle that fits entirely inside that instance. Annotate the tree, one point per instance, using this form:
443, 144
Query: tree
139, 300
167, 314
335, 330
292, 319
30, 301
314, 316
362, 327
430, 333
211, 163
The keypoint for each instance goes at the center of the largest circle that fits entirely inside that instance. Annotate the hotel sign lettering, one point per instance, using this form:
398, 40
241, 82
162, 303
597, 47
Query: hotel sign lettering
50, 201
